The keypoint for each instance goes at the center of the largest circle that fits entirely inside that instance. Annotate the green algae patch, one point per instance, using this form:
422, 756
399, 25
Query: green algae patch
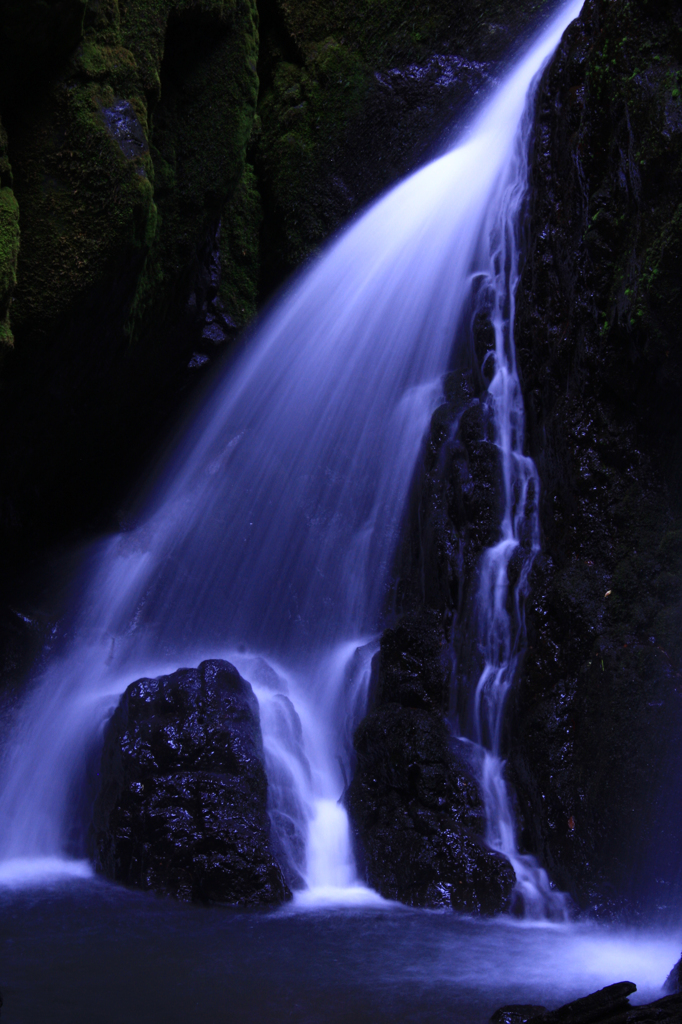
240, 250
9, 252
9, 243
334, 132
124, 162
86, 203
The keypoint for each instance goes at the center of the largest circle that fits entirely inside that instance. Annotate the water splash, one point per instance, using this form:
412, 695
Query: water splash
272, 534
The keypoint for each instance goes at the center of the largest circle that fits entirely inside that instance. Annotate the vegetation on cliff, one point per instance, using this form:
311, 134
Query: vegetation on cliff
9, 242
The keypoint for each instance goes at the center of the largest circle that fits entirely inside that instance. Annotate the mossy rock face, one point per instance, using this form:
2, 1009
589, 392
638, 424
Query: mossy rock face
127, 156
595, 722
9, 243
132, 155
356, 94
86, 199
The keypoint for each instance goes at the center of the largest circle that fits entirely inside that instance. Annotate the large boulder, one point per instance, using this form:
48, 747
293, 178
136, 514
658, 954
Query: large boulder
414, 805
182, 804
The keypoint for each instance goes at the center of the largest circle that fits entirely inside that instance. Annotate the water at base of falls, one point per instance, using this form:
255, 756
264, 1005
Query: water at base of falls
271, 539
91, 951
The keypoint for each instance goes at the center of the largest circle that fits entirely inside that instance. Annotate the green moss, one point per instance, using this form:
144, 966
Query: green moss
9, 243
319, 65
306, 114
86, 205
201, 128
239, 250
97, 207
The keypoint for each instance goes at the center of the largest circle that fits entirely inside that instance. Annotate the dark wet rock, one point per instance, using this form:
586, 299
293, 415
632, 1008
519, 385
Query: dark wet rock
516, 1013
123, 125
605, 1004
413, 801
182, 804
610, 1005
595, 721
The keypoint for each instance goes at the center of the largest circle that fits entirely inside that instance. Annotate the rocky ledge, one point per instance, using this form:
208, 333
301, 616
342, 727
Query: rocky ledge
610, 1004
182, 803
414, 804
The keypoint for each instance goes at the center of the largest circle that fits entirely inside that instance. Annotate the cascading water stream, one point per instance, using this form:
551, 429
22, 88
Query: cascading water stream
498, 618
271, 539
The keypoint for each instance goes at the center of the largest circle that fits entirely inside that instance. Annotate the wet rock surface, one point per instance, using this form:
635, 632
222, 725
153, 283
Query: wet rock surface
594, 723
182, 804
610, 1004
413, 801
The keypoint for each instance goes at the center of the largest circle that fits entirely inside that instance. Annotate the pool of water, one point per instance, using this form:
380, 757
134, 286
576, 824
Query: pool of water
84, 951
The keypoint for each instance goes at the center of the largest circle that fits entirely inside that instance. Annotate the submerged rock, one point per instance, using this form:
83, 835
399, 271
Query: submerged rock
182, 804
413, 802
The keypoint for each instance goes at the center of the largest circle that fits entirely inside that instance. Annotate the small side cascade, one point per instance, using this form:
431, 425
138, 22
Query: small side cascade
498, 615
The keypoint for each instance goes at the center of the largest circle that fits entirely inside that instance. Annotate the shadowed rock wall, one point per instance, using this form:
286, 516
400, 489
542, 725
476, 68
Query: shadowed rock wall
595, 722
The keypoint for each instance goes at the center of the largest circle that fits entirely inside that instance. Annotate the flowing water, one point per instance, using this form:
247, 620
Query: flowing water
271, 538
498, 622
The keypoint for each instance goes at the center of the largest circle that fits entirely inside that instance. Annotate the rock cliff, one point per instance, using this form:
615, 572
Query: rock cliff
595, 722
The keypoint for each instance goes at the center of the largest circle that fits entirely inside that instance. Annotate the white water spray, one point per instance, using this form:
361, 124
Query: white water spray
271, 540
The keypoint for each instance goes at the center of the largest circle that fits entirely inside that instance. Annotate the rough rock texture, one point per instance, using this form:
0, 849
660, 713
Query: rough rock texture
182, 804
610, 1004
9, 243
597, 715
413, 803
126, 123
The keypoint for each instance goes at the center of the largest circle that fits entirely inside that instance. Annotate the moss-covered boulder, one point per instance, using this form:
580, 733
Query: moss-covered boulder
595, 751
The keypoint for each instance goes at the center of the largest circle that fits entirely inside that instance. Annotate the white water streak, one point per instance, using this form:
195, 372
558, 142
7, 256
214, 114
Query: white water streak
499, 619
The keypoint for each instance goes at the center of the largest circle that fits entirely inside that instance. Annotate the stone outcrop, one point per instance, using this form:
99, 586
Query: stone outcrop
182, 803
610, 1004
673, 983
596, 718
413, 802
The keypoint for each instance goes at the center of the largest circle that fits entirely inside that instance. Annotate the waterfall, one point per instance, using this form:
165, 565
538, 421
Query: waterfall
270, 536
498, 619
